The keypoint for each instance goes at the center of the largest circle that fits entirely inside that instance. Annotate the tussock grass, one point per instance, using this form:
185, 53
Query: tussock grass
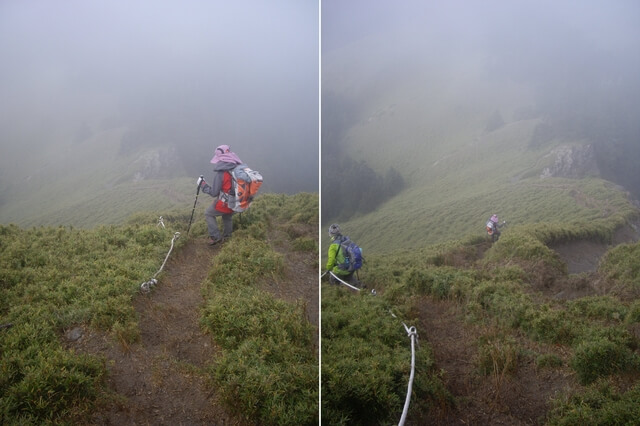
366, 361
622, 265
268, 368
600, 404
497, 295
52, 279
55, 278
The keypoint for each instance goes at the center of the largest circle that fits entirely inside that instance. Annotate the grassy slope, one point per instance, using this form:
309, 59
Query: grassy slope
432, 130
53, 279
86, 184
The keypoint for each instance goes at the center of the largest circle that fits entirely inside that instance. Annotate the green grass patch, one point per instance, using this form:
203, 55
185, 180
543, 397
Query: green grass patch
599, 404
268, 369
622, 264
50, 280
56, 278
366, 362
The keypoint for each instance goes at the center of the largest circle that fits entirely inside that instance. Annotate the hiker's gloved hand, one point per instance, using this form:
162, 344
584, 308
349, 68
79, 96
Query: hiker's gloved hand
201, 181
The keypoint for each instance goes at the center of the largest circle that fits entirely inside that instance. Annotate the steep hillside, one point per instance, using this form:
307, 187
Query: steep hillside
227, 333
474, 132
506, 335
91, 182
465, 155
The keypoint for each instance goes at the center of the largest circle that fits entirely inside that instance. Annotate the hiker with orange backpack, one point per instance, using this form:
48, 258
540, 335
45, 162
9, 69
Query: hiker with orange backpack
493, 227
224, 162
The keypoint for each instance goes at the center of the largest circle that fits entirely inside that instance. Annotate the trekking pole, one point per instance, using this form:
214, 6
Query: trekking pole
194, 206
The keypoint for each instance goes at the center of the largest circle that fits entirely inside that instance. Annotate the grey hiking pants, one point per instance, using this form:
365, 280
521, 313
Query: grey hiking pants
210, 215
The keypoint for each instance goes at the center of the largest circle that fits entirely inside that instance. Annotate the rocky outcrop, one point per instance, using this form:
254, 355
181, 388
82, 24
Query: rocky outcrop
572, 161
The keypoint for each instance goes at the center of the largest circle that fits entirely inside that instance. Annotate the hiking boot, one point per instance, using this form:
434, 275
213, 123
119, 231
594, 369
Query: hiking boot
213, 242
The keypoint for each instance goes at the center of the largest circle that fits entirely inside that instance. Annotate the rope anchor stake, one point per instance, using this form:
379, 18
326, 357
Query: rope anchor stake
146, 286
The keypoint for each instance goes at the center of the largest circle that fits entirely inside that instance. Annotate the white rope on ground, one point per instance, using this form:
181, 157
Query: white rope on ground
411, 332
345, 283
146, 286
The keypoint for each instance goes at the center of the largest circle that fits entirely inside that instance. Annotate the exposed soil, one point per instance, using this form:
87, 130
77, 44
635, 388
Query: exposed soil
496, 399
584, 256
161, 379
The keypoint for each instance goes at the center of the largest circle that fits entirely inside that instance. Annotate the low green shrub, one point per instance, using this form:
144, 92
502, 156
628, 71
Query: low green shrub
55, 278
598, 307
633, 316
622, 264
523, 246
598, 358
550, 325
366, 362
599, 404
441, 282
267, 371
504, 301
305, 244
548, 361
50, 280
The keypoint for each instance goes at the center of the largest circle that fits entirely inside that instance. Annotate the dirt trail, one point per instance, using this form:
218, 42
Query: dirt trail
161, 379
481, 400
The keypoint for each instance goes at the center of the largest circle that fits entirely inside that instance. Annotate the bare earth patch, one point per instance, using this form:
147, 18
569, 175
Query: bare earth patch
160, 379
584, 256
518, 398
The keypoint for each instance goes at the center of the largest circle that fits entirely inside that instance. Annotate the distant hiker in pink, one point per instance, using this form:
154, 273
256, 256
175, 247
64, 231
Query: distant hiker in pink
493, 227
224, 161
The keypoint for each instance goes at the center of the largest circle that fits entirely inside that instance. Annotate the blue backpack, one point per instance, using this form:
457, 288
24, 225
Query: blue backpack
352, 255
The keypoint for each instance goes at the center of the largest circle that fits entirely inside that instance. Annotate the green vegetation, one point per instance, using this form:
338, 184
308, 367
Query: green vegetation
599, 404
53, 279
366, 361
590, 336
268, 368
622, 264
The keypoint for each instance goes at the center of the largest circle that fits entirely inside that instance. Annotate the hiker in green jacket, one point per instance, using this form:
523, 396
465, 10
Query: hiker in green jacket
336, 257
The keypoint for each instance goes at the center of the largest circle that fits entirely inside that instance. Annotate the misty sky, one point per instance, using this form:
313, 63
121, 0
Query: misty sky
199, 73
578, 61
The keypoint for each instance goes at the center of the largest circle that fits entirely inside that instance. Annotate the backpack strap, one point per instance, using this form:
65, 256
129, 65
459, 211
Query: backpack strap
224, 196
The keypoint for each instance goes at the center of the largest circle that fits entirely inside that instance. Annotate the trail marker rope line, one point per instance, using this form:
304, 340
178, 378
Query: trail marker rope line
146, 286
413, 334
343, 282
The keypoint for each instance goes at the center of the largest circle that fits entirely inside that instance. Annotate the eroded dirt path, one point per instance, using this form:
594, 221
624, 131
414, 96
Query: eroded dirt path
494, 399
584, 256
160, 380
